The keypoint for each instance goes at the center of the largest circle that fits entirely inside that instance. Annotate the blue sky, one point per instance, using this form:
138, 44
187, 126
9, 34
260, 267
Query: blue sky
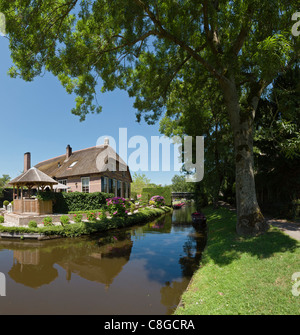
36, 117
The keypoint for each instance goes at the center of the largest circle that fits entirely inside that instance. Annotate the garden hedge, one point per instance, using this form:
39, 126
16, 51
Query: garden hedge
164, 191
78, 201
85, 228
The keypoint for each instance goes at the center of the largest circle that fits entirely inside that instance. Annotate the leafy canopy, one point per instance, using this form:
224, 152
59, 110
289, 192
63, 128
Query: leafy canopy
152, 48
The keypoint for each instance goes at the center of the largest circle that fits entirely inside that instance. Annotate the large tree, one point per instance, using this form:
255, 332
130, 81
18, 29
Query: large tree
152, 49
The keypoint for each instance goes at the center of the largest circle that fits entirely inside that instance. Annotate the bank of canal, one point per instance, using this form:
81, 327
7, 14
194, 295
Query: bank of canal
130, 271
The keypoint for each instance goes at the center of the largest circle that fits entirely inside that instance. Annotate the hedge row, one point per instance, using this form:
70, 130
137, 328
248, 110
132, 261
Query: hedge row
78, 201
165, 192
85, 228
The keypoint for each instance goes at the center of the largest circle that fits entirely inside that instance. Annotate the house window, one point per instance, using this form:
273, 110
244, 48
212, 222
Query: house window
104, 184
126, 190
112, 186
118, 188
64, 182
85, 182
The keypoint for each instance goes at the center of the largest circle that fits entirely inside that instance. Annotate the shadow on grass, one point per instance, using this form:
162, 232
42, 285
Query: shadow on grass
225, 246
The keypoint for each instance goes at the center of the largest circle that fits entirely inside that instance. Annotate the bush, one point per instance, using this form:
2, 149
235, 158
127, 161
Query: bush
162, 191
144, 199
132, 207
133, 195
118, 206
32, 224
77, 218
92, 216
157, 201
47, 221
1, 219
102, 214
83, 228
64, 220
77, 201
5, 203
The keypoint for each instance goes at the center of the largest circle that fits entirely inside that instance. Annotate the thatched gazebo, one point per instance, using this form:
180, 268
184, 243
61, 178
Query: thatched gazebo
32, 178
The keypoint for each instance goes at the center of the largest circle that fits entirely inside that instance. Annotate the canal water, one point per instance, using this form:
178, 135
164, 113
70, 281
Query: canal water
133, 271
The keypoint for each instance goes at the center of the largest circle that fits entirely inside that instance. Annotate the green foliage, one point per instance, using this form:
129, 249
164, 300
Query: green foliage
277, 146
5, 203
157, 201
164, 191
4, 180
144, 199
86, 228
118, 206
133, 195
47, 221
132, 207
139, 181
85, 212
77, 218
46, 196
230, 265
77, 201
179, 184
32, 224
91, 216
111, 40
64, 219
1, 219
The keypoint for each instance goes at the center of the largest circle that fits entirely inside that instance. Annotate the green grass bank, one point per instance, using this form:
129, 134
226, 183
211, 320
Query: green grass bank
84, 228
248, 276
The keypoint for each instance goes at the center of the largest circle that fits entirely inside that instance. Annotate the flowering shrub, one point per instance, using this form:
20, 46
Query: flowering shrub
91, 216
77, 218
102, 215
157, 201
118, 206
47, 221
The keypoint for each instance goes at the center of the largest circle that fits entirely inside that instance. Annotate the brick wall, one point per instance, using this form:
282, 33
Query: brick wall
75, 183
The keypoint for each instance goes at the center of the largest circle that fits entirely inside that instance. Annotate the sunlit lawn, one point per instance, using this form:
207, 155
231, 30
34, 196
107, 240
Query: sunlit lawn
243, 275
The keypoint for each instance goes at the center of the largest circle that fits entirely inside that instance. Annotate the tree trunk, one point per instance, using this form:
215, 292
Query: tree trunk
250, 220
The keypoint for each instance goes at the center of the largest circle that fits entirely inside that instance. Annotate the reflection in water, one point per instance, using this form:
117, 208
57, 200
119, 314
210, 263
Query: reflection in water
140, 270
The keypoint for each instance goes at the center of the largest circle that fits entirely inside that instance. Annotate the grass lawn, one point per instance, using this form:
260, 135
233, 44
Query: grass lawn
243, 275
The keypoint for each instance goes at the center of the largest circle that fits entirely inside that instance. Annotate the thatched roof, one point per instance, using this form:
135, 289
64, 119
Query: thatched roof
83, 162
33, 176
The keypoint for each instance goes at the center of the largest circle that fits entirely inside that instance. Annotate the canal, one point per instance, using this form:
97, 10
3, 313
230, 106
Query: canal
138, 270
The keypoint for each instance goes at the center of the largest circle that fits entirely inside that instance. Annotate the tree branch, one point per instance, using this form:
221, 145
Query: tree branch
162, 33
239, 42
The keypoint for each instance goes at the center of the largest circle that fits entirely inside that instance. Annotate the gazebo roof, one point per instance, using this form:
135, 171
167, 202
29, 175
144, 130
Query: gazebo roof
33, 176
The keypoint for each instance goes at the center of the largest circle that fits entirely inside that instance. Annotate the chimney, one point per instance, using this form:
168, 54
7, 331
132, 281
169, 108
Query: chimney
69, 152
106, 141
27, 161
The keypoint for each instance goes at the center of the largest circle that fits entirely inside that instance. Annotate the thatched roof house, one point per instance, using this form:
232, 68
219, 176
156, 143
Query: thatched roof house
96, 169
